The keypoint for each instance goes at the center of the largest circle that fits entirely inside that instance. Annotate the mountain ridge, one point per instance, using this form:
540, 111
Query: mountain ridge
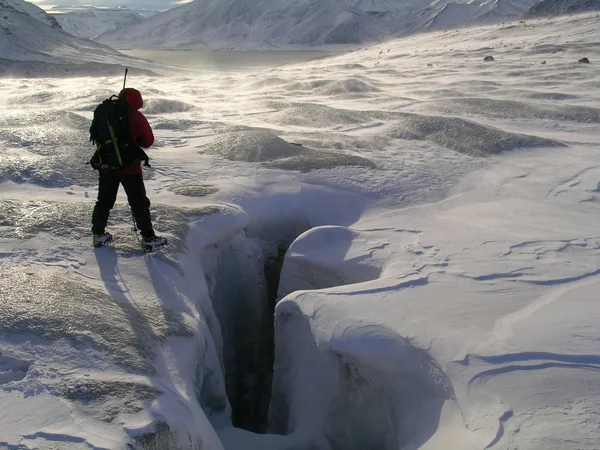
91, 21
298, 24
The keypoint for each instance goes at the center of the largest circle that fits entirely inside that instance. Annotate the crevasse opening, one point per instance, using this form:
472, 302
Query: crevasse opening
242, 277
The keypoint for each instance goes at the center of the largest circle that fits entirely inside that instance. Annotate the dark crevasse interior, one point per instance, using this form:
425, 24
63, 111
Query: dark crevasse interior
244, 300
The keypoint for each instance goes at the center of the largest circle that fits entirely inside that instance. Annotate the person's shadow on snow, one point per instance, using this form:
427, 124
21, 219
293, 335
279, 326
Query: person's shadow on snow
142, 334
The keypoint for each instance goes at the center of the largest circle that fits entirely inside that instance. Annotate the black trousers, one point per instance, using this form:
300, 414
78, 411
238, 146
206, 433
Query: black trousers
108, 186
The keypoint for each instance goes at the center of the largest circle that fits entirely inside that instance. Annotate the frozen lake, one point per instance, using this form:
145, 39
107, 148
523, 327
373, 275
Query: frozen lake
229, 61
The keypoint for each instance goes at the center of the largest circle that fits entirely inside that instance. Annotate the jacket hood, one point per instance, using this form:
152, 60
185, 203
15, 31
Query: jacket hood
133, 97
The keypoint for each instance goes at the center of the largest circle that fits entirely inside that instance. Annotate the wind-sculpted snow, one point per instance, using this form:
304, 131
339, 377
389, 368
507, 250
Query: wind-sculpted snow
466, 137
550, 96
156, 105
25, 220
334, 87
269, 82
319, 116
511, 109
453, 133
86, 311
49, 148
272, 151
49, 305
160, 123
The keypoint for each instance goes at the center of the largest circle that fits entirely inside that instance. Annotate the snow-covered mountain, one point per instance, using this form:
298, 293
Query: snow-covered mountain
31, 42
261, 24
23, 7
557, 7
91, 21
447, 15
264, 24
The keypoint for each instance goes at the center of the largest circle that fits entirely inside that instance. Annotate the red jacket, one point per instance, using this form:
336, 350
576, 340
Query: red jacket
139, 128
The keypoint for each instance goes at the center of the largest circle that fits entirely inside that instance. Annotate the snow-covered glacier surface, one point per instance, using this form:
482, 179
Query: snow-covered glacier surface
439, 220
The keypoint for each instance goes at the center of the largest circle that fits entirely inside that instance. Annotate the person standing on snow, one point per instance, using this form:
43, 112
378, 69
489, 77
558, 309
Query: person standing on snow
130, 176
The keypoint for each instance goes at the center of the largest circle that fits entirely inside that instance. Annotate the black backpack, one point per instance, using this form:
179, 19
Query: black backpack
110, 132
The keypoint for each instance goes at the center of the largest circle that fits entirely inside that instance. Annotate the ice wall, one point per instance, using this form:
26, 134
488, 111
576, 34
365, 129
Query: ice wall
364, 387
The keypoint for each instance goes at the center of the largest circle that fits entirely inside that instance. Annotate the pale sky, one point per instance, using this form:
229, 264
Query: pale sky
160, 5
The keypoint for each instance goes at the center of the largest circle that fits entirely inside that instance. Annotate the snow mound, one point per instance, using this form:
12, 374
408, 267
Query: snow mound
191, 189
464, 136
334, 87
318, 272
261, 146
456, 134
155, 105
320, 116
268, 82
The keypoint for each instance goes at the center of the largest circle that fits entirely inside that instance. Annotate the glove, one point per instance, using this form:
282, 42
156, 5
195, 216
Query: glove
95, 161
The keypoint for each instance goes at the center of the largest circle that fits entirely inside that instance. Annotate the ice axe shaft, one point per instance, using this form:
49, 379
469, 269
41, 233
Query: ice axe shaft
125, 78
